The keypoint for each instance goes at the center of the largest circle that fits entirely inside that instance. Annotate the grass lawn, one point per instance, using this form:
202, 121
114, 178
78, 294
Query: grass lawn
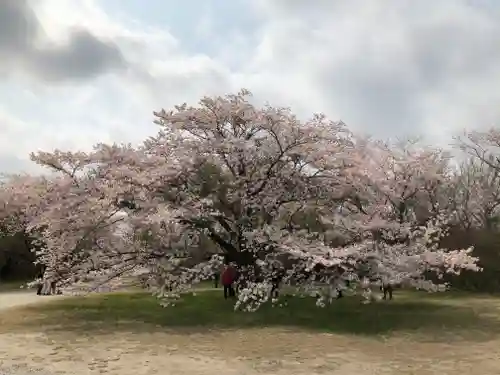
435, 316
12, 286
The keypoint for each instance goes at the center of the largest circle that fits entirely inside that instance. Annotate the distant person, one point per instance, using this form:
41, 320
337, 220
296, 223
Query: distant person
39, 285
387, 289
277, 277
227, 278
217, 275
216, 278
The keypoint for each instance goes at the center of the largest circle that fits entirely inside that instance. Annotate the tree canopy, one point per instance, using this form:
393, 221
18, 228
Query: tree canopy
258, 187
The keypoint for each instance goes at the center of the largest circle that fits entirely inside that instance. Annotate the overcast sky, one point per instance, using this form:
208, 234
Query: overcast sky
73, 73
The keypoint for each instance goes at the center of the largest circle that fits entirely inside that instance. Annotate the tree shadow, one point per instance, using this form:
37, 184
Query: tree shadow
209, 311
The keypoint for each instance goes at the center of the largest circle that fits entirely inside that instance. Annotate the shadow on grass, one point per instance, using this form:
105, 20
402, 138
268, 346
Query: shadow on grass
208, 311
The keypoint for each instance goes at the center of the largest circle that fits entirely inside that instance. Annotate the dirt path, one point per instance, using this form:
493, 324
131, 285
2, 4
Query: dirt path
10, 300
262, 351
242, 352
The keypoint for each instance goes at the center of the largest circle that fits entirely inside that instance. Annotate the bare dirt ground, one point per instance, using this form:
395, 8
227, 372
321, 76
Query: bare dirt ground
242, 352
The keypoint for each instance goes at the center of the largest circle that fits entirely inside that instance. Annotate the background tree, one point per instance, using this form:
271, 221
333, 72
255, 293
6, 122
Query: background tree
18, 195
477, 195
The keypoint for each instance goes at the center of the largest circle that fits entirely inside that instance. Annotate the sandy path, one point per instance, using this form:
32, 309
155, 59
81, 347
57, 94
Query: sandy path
242, 353
250, 352
21, 298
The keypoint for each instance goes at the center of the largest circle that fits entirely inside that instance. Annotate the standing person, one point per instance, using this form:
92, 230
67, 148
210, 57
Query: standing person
216, 279
387, 290
277, 277
40, 283
39, 287
227, 279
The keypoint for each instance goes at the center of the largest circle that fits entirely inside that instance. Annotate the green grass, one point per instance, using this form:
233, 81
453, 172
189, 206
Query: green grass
12, 286
408, 313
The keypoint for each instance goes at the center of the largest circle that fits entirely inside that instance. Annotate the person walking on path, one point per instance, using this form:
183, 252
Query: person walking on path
227, 278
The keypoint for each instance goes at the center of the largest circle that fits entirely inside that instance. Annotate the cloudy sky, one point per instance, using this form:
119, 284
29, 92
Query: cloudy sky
73, 73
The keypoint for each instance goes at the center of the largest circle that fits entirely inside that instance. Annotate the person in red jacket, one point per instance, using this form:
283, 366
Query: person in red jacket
227, 279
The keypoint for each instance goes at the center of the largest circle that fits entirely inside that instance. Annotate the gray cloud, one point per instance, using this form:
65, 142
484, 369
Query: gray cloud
362, 90
391, 68
18, 26
84, 55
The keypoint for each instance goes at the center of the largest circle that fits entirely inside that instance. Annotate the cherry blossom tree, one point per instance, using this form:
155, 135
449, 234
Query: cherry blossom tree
19, 194
397, 219
84, 219
236, 174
